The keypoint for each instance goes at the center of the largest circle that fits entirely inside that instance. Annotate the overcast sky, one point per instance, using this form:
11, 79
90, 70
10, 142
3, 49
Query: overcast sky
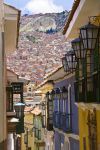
41, 6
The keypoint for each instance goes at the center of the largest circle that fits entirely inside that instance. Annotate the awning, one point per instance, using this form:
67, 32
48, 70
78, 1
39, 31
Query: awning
84, 9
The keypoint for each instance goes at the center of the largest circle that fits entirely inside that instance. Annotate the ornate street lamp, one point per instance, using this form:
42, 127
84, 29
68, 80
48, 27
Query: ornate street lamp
89, 35
19, 109
71, 60
65, 64
77, 46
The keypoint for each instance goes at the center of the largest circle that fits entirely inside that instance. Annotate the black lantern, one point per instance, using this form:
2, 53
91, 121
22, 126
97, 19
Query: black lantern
64, 92
71, 60
52, 94
65, 64
19, 109
89, 34
77, 46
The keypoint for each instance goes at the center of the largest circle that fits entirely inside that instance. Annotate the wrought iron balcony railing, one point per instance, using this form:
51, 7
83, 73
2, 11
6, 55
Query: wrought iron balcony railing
62, 121
65, 122
87, 90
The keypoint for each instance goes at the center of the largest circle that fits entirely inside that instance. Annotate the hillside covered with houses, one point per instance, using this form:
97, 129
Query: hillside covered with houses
41, 45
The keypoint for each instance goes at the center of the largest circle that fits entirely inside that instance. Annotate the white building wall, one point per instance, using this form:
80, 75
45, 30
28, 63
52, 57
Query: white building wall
49, 144
2, 82
10, 142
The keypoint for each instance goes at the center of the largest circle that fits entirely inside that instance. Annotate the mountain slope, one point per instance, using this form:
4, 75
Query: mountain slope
41, 45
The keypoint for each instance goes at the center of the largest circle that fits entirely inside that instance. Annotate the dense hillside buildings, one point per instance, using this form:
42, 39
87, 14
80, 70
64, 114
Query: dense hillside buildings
38, 52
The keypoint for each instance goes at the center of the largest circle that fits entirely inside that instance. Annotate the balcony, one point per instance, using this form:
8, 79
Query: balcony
56, 119
65, 122
87, 90
62, 121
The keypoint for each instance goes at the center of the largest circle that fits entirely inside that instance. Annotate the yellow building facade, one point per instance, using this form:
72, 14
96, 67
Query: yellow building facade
89, 127
47, 135
27, 140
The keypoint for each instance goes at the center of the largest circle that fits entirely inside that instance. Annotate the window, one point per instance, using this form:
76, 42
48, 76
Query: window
64, 99
58, 104
69, 99
64, 105
69, 106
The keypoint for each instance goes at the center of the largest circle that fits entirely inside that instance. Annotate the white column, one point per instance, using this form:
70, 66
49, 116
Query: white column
10, 142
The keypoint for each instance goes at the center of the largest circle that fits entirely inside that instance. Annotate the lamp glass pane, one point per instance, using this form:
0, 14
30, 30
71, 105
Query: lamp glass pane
74, 62
84, 37
69, 60
76, 47
83, 53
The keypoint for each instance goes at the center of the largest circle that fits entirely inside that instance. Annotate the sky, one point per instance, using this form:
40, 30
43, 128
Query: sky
41, 6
